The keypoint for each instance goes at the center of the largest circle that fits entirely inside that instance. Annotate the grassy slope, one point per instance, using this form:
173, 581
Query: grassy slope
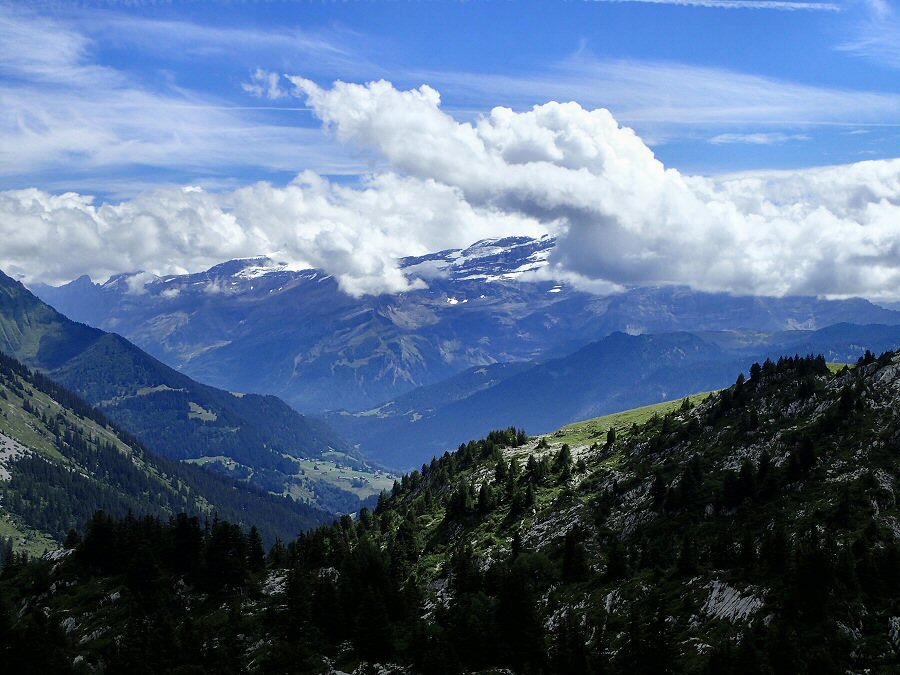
29, 430
594, 430
25, 539
311, 474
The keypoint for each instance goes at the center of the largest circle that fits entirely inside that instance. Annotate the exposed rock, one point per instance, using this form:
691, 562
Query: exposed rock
726, 602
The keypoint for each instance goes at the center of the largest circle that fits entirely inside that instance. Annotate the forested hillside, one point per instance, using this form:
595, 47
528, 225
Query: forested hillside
61, 460
256, 438
755, 530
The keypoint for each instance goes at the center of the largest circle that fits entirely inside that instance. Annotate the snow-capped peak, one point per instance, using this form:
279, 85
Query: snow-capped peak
485, 260
256, 271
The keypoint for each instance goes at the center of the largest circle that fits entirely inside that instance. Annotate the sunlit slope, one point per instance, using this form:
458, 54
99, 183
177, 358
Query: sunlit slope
61, 460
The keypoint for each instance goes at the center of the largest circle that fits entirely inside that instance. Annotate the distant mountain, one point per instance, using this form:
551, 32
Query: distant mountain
258, 438
61, 460
616, 373
254, 325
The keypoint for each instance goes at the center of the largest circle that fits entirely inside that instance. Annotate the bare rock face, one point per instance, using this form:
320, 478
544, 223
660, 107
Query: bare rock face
726, 602
10, 450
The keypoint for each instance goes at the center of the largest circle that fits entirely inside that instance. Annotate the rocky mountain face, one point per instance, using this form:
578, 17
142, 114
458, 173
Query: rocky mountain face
250, 437
755, 530
253, 325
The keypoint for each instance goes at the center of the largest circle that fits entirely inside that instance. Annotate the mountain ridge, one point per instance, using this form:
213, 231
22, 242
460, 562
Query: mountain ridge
169, 411
61, 459
620, 371
327, 351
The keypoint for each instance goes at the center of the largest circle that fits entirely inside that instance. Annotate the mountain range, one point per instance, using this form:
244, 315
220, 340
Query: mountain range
255, 325
491, 339
700, 533
616, 373
257, 438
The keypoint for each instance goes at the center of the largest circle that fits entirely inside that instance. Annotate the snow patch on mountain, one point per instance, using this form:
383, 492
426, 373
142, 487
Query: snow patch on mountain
487, 260
256, 271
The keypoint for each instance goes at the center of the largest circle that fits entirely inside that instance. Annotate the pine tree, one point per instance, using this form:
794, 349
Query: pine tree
73, 538
485, 499
569, 652
500, 471
616, 562
687, 557
256, 555
564, 458
574, 561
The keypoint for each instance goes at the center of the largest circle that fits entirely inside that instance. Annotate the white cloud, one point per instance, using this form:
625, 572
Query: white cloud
355, 234
264, 84
762, 138
621, 217
335, 50
742, 4
876, 36
62, 114
673, 100
42, 130
135, 284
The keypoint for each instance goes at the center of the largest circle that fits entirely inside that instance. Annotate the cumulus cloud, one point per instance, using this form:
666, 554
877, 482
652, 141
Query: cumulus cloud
356, 234
621, 217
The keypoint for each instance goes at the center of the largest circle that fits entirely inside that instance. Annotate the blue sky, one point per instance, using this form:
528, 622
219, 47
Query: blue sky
712, 89
170, 136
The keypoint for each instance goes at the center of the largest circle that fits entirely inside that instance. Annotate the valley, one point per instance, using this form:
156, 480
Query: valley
61, 460
404, 377
175, 416
450, 338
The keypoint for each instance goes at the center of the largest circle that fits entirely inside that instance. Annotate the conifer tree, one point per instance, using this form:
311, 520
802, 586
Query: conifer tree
256, 555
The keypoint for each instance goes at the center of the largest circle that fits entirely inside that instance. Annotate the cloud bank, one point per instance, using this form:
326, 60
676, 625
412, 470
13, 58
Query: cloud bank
356, 234
621, 217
